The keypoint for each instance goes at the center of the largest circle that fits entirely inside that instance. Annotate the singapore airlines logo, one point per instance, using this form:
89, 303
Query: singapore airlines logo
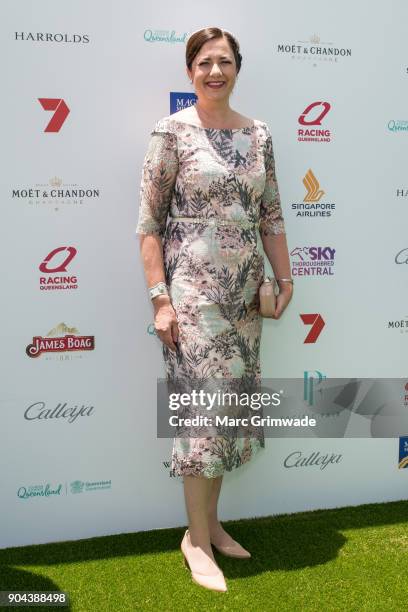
312, 204
61, 112
312, 186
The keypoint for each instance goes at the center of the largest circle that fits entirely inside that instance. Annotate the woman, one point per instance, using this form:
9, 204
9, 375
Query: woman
208, 186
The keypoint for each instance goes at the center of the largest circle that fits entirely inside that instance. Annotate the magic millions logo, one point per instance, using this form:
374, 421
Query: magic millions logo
403, 452
61, 339
55, 195
313, 51
313, 261
180, 100
313, 204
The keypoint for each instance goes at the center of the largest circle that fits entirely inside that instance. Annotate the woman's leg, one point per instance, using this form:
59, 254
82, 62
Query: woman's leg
197, 493
217, 534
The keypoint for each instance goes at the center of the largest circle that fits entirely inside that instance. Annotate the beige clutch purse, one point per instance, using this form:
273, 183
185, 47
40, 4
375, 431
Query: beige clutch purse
267, 297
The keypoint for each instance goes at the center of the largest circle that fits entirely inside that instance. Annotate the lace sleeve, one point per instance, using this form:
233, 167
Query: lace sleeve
159, 172
271, 217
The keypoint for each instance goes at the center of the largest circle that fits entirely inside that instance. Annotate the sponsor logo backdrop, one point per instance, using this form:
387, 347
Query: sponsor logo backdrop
83, 86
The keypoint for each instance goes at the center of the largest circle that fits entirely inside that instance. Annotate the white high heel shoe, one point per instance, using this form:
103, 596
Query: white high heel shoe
214, 582
234, 550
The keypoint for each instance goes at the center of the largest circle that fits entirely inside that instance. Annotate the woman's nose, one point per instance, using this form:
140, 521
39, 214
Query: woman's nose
215, 69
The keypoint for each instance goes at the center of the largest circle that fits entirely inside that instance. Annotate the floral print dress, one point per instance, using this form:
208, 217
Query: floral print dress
207, 193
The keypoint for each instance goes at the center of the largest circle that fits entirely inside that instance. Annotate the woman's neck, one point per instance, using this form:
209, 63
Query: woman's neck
214, 113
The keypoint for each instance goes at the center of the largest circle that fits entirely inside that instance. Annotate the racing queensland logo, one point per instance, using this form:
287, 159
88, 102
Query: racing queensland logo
54, 268
313, 261
403, 452
311, 120
61, 339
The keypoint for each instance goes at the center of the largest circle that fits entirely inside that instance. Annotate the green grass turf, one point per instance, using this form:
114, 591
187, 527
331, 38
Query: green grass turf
343, 559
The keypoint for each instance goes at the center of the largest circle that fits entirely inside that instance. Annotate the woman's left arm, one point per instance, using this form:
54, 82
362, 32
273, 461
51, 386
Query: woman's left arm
272, 230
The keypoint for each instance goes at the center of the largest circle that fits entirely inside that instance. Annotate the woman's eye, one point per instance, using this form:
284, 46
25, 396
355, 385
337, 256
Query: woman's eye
223, 62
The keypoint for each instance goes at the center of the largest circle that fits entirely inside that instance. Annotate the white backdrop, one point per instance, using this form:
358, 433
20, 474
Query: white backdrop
114, 65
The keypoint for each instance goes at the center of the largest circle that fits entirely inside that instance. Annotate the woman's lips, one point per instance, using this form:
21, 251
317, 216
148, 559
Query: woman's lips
215, 84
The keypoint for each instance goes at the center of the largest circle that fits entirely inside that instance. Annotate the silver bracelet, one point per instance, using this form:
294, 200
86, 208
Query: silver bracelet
159, 288
287, 280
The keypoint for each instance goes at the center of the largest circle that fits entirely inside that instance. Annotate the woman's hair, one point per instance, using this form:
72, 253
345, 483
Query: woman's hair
197, 40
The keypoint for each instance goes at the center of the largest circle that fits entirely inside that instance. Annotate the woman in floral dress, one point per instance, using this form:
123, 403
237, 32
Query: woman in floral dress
209, 195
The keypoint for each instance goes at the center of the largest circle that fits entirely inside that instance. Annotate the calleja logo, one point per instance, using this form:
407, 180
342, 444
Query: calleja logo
296, 459
38, 411
402, 256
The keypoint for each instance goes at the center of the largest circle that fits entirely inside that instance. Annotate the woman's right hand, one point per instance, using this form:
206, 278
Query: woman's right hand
165, 321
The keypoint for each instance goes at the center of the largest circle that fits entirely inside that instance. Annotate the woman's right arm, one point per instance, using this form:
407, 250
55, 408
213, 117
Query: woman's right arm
159, 174
165, 321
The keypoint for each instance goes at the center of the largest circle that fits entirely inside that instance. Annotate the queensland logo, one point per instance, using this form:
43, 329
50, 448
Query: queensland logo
81, 486
53, 265
151, 330
311, 120
403, 452
180, 100
397, 125
55, 194
60, 339
313, 261
317, 323
166, 36
313, 51
24, 492
311, 205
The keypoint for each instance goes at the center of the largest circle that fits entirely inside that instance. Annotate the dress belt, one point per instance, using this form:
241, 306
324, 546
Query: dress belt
215, 221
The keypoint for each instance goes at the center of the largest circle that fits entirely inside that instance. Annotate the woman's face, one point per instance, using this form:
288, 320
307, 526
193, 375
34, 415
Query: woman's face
214, 70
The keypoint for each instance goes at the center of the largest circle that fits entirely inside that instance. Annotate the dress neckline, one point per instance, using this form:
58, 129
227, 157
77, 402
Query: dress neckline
200, 127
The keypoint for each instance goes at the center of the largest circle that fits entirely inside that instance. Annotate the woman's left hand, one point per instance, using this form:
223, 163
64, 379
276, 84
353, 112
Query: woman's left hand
283, 299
